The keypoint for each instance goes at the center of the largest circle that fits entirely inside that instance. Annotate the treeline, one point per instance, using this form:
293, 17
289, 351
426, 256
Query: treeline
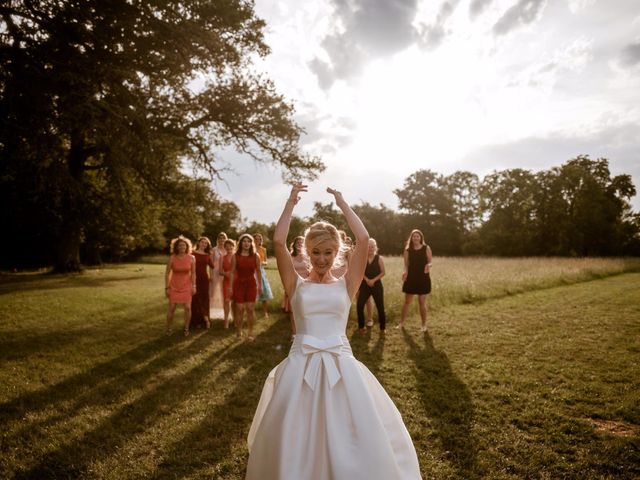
576, 209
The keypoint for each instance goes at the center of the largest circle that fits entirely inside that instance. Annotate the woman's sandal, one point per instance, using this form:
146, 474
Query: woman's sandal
186, 332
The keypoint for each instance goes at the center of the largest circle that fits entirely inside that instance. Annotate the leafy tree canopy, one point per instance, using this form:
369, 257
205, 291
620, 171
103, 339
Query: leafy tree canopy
132, 89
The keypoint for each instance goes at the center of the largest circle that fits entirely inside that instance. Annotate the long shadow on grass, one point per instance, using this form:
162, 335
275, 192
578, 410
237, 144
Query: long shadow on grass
212, 443
447, 404
131, 418
105, 387
24, 343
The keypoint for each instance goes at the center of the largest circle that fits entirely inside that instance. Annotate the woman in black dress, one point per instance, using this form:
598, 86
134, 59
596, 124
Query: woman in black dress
416, 279
371, 286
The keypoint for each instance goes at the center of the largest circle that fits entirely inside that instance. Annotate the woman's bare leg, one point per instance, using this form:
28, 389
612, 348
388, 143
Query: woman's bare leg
238, 317
408, 298
226, 306
170, 312
422, 302
187, 318
250, 309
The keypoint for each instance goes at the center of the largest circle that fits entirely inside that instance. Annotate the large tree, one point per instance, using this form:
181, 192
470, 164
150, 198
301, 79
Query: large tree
587, 209
132, 89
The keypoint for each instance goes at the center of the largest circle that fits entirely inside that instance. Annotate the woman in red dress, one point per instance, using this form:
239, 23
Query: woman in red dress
200, 301
247, 283
180, 280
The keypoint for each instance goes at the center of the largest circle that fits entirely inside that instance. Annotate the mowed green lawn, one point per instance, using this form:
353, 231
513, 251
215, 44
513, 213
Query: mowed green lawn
530, 369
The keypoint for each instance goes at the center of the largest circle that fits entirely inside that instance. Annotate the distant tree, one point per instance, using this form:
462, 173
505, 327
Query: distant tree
630, 233
429, 207
384, 225
223, 216
591, 207
132, 89
462, 188
507, 200
552, 227
328, 213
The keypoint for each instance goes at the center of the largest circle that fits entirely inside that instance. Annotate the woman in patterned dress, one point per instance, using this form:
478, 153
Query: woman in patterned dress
266, 294
225, 272
215, 287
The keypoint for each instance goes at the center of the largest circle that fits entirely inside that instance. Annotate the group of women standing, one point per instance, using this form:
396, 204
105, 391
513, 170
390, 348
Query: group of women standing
208, 280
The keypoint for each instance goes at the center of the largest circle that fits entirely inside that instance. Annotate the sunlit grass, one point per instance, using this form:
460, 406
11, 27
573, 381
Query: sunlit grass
473, 279
532, 385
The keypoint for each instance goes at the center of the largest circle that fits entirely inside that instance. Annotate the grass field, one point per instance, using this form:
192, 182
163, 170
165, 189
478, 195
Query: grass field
530, 369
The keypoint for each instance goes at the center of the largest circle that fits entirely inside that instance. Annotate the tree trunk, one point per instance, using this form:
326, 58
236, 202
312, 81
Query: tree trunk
68, 249
67, 252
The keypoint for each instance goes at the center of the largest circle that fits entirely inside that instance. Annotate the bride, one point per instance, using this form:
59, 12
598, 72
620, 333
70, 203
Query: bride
322, 414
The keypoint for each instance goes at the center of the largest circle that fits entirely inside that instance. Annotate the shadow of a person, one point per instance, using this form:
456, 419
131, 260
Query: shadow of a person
447, 403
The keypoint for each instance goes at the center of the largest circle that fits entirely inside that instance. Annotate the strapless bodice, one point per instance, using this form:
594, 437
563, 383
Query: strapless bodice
321, 309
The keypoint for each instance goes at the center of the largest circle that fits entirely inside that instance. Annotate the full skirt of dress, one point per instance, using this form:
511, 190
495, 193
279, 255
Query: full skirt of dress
323, 415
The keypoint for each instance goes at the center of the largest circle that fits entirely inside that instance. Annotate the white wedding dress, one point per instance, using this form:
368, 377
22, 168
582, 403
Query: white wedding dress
322, 414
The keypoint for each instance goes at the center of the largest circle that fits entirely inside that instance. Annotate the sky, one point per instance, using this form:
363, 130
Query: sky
387, 87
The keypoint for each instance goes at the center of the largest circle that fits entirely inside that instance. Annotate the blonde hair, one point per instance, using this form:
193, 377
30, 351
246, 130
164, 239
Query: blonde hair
292, 248
375, 244
321, 232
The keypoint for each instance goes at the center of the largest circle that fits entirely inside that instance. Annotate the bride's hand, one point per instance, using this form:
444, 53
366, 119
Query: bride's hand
337, 195
296, 188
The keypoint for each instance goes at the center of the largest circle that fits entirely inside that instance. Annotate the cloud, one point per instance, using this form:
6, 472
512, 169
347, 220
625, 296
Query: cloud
325, 134
543, 75
630, 55
477, 7
431, 36
365, 29
522, 13
576, 5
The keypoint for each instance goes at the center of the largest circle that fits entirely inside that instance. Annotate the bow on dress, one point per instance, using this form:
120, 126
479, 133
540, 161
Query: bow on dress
321, 350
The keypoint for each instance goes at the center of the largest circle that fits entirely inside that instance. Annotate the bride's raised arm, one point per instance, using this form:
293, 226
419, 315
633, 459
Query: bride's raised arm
358, 260
288, 274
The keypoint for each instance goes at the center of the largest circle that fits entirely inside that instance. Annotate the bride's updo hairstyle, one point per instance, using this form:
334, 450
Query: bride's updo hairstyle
321, 232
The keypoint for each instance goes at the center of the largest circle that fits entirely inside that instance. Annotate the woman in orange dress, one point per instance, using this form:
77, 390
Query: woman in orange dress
180, 280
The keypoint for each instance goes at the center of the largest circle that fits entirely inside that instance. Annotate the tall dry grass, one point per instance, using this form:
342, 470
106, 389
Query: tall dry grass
459, 280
